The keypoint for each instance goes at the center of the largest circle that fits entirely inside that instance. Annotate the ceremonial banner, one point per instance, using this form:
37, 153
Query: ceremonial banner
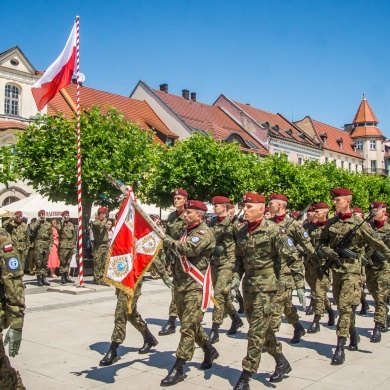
133, 248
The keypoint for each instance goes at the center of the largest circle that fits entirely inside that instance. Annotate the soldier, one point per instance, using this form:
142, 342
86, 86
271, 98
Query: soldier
260, 247
222, 262
346, 265
19, 233
175, 227
11, 311
231, 210
67, 246
318, 281
192, 285
378, 274
32, 266
100, 246
42, 235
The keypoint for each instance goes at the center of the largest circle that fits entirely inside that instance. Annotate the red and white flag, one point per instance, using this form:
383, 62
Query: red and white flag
58, 75
133, 248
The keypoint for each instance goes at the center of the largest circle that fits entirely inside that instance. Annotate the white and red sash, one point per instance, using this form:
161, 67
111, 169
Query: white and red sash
203, 280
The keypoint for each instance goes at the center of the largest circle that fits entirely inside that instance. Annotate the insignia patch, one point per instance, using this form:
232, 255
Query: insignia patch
201, 232
195, 239
290, 242
13, 263
305, 234
8, 248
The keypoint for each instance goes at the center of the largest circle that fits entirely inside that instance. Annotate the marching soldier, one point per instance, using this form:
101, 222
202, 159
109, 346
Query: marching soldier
11, 311
260, 248
42, 235
346, 265
222, 262
19, 233
231, 210
67, 246
175, 227
192, 285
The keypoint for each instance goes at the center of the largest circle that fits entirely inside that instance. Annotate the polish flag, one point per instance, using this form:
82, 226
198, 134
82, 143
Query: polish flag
59, 74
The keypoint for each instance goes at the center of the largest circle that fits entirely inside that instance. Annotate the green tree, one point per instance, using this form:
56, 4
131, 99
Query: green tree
7, 173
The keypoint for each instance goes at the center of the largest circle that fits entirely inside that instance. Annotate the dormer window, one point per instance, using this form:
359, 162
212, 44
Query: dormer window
340, 142
276, 128
289, 132
324, 137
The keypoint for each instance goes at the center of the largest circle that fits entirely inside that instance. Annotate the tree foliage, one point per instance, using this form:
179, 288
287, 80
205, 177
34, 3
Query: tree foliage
7, 172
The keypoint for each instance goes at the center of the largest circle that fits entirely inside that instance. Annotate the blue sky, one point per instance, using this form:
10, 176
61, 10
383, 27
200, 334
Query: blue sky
297, 58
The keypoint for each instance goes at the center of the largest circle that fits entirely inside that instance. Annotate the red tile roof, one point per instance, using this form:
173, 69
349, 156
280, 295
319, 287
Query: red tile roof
135, 111
207, 118
4, 125
365, 113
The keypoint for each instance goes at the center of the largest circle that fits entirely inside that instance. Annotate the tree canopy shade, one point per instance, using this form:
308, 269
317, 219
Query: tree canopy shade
7, 172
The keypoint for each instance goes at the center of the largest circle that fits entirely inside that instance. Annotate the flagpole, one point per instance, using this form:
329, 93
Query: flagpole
79, 181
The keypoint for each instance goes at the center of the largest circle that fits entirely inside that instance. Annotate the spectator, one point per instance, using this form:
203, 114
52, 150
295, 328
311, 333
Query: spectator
110, 231
54, 261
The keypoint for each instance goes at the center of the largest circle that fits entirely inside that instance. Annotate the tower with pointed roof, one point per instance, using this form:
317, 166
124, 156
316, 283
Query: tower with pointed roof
369, 139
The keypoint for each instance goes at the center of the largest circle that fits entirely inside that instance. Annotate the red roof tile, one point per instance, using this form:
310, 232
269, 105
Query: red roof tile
207, 118
365, 113
4, 125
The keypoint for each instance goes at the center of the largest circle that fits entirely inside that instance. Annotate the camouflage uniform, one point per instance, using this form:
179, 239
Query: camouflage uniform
20, 238
258, 256
11, 308
42, 234
100, 249
67, 244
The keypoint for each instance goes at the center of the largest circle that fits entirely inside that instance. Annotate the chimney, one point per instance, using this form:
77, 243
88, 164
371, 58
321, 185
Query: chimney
186, 94
193, 96
164, 87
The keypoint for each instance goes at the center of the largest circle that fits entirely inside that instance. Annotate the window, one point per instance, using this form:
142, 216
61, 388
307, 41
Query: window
359, 145
11, 101
326, 159
373, 165
300, 160
342, 164
356, 168
349, 167
372, 145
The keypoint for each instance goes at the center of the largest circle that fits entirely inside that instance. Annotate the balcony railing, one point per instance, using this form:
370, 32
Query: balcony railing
378, 171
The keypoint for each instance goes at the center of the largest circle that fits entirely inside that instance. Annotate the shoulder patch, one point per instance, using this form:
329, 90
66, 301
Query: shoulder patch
305, 234
201, 232
13, 263
195, 239
290, 242
8, 248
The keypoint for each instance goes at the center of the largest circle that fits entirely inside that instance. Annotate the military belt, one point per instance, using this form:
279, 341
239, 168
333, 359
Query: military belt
259, 272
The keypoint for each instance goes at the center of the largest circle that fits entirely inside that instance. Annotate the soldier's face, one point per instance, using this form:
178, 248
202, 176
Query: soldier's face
253, 211
380, 215
341, 203
267, 215
320, 214
178, 201
231, 213
192, 217
42, 216
219, 209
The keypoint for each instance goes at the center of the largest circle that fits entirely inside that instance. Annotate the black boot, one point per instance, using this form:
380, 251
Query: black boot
332, 317
339, 356
176, 374
149, 341
315, 325
169, 327
243, 382
39, 280
365, 306
111, 356
282, 368
385, 327
67, 278
214, 336
310, 308
240, 301
236, 323
298, 333
376, 333
63, 280
354, 340
210, 354
44, 281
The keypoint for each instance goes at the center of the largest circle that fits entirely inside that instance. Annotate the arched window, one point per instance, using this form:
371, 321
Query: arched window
11, 101
9, 199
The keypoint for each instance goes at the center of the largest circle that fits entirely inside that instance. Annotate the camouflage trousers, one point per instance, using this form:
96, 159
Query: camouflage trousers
222, 283
172, 306
22, 254
122, 315
9, 377
310, 276
41, 255
346, 287
298, 275
259, 308
65, 255
378, 284
320, 296
32, 266
99, 262
188, 305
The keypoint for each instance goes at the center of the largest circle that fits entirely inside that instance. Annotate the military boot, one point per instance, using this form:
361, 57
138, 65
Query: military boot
169, 327
243, 382
149, 341
332, 317
240, 301
111, 356
44, 281
310, 308
354, 340
176, 374
282, 368
63, 280
210, 354
385, 327
315, 325
299, 332
39, 280
365, 306
236, 324
67, 278
339, 356
214, 336
376, 333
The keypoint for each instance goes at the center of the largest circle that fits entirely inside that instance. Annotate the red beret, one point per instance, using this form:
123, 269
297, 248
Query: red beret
102, 210
231, 206
278, 197
41, 212
357, 210
195, 205
220, 199
311, 208
318, 206
251, 197
181, 192
295, 214
16, 213
65, 212
340, 192
375, 205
